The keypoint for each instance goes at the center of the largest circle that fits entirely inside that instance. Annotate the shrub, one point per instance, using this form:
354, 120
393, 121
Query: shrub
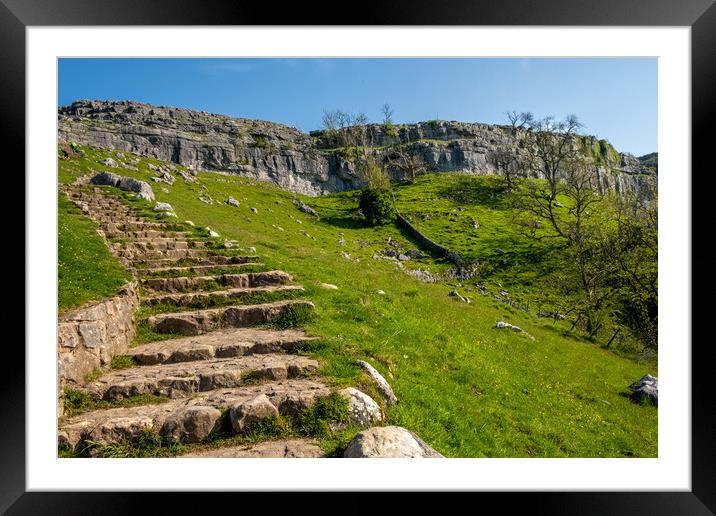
377, 206
261, 142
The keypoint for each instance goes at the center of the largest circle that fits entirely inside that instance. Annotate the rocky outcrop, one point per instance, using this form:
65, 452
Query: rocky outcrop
308, 163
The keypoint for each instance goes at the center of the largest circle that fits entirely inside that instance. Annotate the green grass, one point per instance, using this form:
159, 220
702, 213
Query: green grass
468, 389
86, 271
77, 401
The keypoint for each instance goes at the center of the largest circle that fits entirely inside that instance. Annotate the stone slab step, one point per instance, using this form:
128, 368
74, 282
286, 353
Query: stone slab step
210, 319
149, 234
200, 298
206, 260
219, 344
166, 243
283, 449
182, 379
191, 269
184, 283
172, 254
117, 424
133, 226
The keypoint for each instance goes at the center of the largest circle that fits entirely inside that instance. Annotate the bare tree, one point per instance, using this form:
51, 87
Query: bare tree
387, 112
408, 163
347, 130
508, 165
520, 120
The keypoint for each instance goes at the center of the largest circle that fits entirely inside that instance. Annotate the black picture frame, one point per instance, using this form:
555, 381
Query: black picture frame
700, 15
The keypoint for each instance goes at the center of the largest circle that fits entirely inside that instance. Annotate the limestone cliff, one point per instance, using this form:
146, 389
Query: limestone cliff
301, 162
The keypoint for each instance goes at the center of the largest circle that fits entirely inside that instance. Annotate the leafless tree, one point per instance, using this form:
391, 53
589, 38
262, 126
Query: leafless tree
520, 120
410, 164
387, 112
508, 165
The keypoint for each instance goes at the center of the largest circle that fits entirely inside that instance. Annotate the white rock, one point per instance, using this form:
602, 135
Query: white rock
388, 441
328, 286
383, 386
363, 411
163, 206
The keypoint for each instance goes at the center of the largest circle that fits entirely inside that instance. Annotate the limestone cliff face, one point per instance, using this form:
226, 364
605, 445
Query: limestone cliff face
295, 160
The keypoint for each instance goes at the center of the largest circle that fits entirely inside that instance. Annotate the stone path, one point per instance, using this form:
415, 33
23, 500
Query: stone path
219, 359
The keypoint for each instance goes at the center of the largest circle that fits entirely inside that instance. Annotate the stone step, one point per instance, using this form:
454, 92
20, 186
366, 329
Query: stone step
145, 245
184, 283
191, 269
154, 254
219, 344
201, 298
210, 319
182, 379
166, 243
119, 424
117, 218
281, 449
152, 263
130, 226
148, 234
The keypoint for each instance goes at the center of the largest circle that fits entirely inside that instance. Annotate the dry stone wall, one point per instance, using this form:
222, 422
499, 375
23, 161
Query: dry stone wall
89, 337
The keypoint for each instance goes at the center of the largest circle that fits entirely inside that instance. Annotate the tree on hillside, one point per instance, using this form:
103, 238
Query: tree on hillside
632, 251
410, 164
508, 165
388, 126
554, 156
347, 130
520, 120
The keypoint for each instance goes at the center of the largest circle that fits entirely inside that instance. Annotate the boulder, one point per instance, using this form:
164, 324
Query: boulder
244, 414
168, 178
414, 254
109, 162
646, 389
389, 441
328, 286
232, 202
383, 386
363, 411
163, 206
254, 210
307, 209
129, 184
190, 424
502, 325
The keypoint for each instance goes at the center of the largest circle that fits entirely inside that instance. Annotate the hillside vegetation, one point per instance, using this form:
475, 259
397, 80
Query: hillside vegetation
467, 388
86, 271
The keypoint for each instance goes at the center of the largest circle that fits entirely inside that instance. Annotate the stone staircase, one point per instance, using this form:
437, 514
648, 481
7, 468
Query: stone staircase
223, 356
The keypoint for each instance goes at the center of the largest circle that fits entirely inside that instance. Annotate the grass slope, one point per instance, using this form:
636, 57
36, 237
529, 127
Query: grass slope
468, 389
86, 271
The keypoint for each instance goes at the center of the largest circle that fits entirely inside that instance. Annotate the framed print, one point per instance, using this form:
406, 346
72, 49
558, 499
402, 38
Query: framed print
430, 233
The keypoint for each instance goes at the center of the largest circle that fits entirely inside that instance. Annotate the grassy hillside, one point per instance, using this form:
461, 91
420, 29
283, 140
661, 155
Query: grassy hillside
86, 271
466, 388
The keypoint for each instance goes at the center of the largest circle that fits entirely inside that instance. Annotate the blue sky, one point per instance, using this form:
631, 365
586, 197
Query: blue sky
616, 99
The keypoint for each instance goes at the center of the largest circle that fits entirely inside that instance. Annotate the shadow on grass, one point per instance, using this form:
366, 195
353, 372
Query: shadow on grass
488, 191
